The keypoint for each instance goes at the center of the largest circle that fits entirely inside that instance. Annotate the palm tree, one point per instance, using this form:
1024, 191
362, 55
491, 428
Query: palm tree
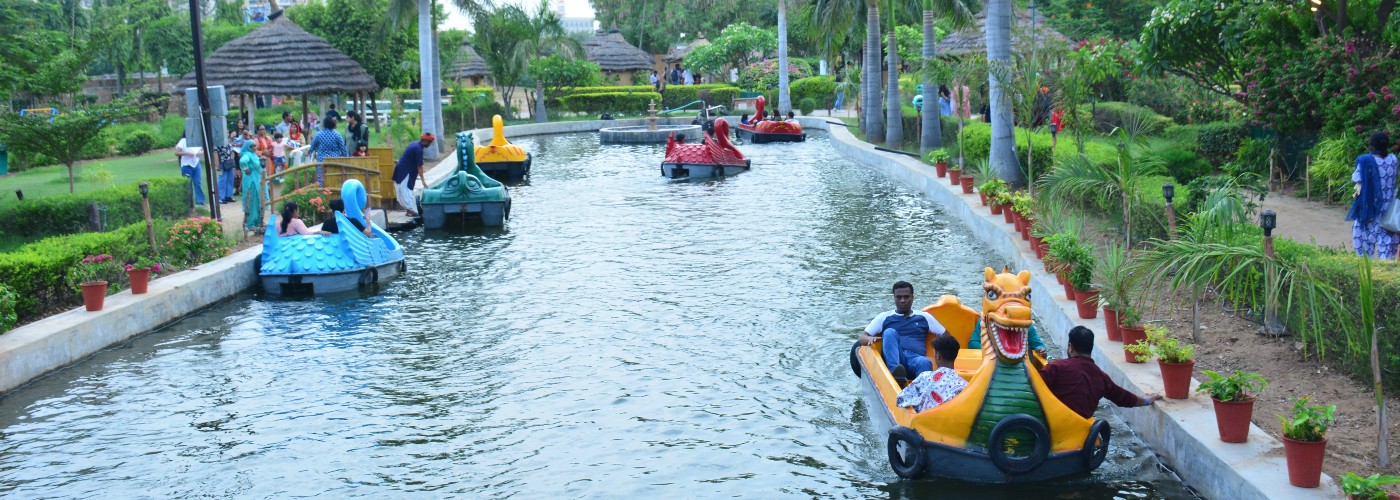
837, 19
1003, 157
784, 100
546, 35
960, 15
894, 109
874, 121
1080, 178
429, 77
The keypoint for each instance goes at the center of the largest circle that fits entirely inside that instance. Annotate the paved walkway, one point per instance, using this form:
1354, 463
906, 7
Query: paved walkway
1309, 221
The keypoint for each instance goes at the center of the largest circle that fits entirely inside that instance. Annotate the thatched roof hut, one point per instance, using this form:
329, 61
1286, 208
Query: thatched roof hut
677, 54
280, 58
973, 39
469, 64
612, 53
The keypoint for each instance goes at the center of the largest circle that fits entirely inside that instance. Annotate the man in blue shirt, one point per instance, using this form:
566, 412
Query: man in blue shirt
407, 171
902, 333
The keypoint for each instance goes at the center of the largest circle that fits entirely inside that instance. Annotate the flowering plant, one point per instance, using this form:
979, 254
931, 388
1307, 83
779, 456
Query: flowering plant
143, 263
95, 268
763, 75
196, 240
314, 202
8, 316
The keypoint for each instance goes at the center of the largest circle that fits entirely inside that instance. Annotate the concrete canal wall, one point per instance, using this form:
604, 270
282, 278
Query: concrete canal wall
1181, 432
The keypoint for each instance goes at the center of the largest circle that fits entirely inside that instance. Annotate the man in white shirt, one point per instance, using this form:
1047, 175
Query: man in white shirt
902, 335
189, 167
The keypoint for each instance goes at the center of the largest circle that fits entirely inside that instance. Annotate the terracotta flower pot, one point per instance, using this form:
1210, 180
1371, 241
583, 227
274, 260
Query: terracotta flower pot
1069, 289
1025, 229
1110, 319
1304, 461
954, 176
1232, 418
1131, 335
1017, 221
942, 168
983, 196
139, 279
1060, 273
1035, 247
967, 181
1007, 213
1176, 377
94, 292
1088, 303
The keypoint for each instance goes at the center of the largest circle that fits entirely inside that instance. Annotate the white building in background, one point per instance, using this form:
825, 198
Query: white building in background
573, 25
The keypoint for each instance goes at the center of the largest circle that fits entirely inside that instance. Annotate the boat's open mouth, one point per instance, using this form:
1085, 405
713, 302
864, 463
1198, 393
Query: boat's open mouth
1011, 341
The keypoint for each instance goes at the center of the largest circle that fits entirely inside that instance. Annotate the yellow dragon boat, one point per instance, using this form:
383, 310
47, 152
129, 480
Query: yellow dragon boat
500, 159
1005, 426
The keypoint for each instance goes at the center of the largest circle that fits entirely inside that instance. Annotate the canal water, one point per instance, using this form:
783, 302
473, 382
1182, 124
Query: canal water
623, 336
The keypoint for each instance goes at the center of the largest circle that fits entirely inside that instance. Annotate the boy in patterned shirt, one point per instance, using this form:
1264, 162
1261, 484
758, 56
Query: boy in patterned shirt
931, 389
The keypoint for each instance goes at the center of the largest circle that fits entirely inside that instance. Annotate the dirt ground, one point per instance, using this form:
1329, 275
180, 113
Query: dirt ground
1229, 342
1307, 221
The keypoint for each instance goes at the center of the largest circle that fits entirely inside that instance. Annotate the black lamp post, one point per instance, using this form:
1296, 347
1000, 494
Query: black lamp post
19, 193
1268, 220
146, 208
1169, 192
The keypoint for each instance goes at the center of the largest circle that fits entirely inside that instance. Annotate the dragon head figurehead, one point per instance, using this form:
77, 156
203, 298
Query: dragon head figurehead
1006, 311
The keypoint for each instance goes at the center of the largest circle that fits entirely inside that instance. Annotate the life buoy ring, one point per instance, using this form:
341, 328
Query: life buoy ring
855, 358
996, 444
1096, 445
910, 463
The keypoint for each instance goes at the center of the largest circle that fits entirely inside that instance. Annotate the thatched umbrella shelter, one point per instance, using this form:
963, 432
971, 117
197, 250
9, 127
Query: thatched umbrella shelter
469, 65
280, 58
973, 39
614, 55
677, 54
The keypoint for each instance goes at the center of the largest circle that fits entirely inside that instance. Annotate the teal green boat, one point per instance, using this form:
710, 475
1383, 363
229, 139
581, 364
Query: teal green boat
467, 193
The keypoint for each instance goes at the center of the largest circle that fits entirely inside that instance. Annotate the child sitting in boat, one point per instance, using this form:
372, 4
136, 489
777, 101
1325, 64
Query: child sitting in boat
931, 389
291, 224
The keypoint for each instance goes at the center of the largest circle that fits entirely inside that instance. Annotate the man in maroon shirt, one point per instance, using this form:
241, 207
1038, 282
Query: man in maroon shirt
1079, 383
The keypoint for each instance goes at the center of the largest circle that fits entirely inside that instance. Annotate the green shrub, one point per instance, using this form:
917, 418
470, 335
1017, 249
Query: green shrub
1182, 163
8, 317
1110, 115
100, 147
469, 93
36, 272
634, 103
138, 143
1252, 157
713, 94
1217, 142
463, 115
807, 105
1333, 163
195, 240
821, 89
169, 198
169, 131
314, 202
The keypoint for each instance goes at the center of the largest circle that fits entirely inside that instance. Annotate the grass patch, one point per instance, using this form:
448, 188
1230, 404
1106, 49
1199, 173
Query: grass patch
52, 180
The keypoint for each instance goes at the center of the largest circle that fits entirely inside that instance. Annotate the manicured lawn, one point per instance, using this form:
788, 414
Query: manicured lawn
53, 180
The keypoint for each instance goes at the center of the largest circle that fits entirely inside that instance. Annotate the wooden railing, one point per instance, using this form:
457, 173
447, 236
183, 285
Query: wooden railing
333, 173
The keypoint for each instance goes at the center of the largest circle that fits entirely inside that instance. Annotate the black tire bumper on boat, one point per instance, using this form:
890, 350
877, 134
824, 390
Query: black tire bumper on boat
940, 460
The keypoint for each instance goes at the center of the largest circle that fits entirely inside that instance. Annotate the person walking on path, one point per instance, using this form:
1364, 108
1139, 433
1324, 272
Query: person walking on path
252, 167
189, 168
407, 171
1374, 191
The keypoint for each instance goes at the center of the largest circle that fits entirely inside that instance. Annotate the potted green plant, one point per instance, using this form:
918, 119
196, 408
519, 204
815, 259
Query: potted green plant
1004, 199
1234, 402
1369, 487
989, 190
1130, 324
1112, 278
1175, 359
966, 182
1023, 206
939, 159
1081, 278
954, 175
1062, 253
982, 170
139, 273
1305, 441
91, 277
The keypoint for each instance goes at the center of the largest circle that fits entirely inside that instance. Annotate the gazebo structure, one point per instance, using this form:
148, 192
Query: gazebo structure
280, 58
678, 53
469, 66
973, 40
615, 56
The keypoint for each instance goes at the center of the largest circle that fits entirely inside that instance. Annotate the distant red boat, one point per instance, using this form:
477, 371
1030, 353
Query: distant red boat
715, 156
766, 131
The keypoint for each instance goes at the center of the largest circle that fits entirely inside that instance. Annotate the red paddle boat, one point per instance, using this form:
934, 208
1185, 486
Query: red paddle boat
764, 131
715, 156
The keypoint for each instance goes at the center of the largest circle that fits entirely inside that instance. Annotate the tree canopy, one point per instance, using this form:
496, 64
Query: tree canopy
738, 45
356, 28
656, 26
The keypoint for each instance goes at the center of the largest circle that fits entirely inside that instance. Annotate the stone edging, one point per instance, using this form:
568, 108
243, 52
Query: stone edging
1182, 432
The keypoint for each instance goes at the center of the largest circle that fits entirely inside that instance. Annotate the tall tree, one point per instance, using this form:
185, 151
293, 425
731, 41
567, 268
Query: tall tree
428, 110
544, 35
1003, 155
958, 13
62, 137
496, 35
657, 25
873, 120
784, 101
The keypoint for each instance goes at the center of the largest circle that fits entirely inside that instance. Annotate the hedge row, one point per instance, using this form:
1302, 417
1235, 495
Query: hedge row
675, 95
620, 103
54, 215
36, 271
1111, 115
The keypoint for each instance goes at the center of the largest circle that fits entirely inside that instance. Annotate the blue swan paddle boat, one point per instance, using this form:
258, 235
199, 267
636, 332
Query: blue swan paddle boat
348, 260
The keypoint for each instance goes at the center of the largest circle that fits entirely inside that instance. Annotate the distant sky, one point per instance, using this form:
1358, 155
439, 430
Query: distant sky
572, 8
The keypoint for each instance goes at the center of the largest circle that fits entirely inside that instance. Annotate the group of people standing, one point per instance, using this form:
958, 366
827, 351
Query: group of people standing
676, 76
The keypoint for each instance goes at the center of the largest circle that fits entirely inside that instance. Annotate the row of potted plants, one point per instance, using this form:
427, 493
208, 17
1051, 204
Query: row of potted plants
98, 276
956, 176
1095, 282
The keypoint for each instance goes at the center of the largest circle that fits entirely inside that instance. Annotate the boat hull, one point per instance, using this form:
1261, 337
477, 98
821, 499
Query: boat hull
344, 281
701, 171
510, 171
491, 213
752, 137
